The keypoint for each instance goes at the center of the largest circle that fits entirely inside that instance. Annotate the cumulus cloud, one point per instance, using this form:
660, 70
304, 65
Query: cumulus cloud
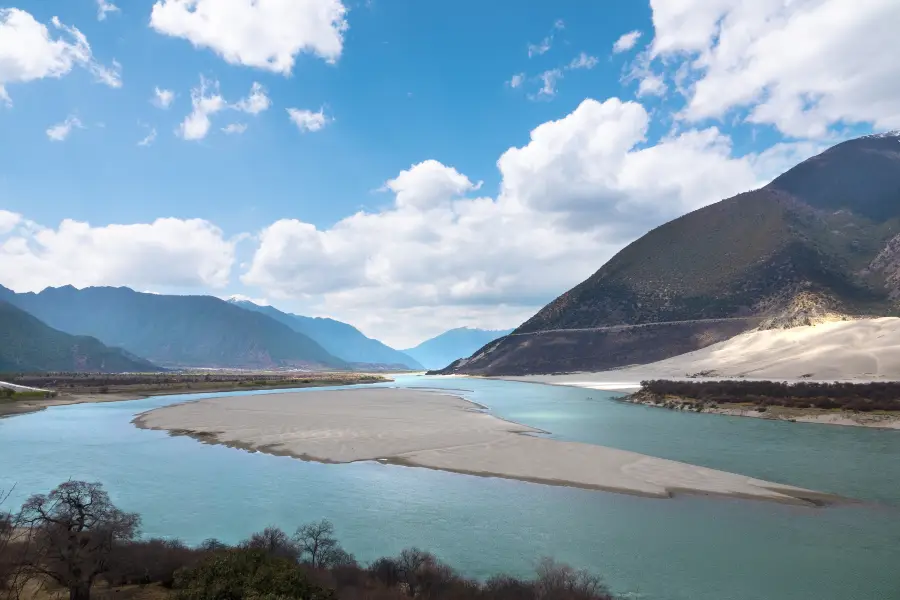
8, 220
28, 52
266, 34
163, 98
626, 42
205, 101
307, 120
256, 102
802, 66
167, 252
579, 190
235, 128
652, 85
104, 7
60, 131
516, 80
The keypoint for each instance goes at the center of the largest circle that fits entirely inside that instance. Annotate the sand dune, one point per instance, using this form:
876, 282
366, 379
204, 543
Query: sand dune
440, 431
862, 350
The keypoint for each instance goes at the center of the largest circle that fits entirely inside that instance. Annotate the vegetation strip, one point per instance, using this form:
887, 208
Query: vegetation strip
74, 539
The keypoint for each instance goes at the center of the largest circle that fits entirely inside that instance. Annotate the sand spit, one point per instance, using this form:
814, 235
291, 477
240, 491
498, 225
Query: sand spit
439, 431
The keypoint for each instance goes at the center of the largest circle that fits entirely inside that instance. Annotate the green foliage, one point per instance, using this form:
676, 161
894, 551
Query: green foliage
240, 574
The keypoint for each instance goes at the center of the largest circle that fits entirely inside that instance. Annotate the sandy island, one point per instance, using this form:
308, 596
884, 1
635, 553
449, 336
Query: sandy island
440, 431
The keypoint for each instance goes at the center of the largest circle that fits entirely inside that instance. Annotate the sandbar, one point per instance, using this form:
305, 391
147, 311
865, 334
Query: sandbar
435, 430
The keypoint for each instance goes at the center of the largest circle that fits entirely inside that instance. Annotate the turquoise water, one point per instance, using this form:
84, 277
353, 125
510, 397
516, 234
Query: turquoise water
687, 548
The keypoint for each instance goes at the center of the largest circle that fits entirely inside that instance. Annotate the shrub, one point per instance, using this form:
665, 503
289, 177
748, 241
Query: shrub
247, 573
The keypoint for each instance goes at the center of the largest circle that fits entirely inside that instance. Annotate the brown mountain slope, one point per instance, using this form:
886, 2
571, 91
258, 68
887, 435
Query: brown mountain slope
822, 239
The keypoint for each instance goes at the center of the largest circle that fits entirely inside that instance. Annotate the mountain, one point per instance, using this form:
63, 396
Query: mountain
440, 351
819, 242
28, 345
177, 331
340, 339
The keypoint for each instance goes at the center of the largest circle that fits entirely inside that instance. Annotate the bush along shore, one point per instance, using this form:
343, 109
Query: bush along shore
874, 404
75, 541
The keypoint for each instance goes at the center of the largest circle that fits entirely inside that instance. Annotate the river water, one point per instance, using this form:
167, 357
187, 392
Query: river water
686, 548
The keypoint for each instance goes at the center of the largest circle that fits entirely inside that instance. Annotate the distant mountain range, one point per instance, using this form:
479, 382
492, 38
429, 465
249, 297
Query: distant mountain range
821, 241
175, 331
28, 345
339, 339
440, 351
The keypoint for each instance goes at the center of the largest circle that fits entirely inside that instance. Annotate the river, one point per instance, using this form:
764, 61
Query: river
686, 548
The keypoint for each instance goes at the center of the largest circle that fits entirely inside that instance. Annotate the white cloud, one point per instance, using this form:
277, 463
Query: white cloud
441, 255
548, 80
652, 85
206, 101
583, 61
149, 139
626, 42
256, 102
111, 76
517, 80
8, 220
541, 48
29, 52
267, 34
61, 131
163, 98
104, 7
802, 66
235, 128
167, 252
306, 120
545, 44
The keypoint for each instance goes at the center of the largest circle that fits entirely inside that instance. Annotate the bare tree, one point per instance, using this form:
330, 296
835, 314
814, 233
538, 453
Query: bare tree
71, 533
7, 528
556, 581
275, 542
319, 547
412, 565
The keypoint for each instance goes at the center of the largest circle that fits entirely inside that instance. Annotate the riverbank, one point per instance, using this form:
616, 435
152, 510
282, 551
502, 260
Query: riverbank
627, 383
444, 432
881, 420
13, 407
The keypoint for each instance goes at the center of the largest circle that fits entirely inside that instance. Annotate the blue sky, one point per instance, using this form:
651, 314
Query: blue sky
508, 214
415, 80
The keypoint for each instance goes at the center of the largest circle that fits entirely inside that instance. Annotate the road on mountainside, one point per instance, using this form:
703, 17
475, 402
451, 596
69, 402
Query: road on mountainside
623, 327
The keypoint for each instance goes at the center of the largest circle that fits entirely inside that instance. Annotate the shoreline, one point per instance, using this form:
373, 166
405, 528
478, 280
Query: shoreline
17, 408
444, 432
817, 416
628, 390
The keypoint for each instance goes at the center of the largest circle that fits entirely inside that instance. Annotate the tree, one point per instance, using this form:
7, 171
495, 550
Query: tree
72, 532
555, 580
319, 547
7, 565
247, 573
275, 542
